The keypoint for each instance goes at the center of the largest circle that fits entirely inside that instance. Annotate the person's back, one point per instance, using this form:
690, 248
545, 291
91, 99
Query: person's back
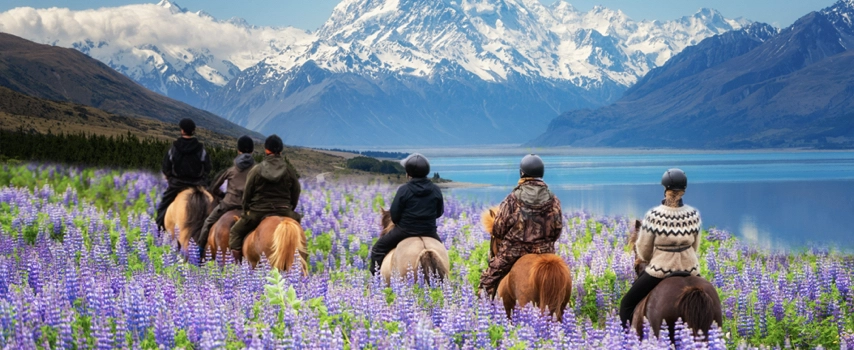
414, 210
233, 197
185, 165
272, 188
529, 221
668, 240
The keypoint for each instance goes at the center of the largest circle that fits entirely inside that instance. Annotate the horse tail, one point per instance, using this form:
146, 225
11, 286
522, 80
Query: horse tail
198, 208
549, 277
286, 240
487, 219
430, 263
696, 307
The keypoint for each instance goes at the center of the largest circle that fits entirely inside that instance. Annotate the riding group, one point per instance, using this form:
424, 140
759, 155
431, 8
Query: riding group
256, 216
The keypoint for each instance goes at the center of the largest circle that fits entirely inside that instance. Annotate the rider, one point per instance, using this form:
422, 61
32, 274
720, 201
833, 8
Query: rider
529, 221
233, 198
186, 165
668, 239
414, 210
271, 188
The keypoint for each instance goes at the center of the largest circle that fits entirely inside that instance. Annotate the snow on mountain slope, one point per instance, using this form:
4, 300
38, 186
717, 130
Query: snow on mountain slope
164, 47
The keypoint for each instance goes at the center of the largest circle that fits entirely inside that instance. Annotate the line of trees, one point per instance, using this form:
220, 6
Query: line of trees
375, 165
124, 151
372, 154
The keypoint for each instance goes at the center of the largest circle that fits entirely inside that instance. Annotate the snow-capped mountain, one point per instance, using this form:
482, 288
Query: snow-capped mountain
164, 47
415, 71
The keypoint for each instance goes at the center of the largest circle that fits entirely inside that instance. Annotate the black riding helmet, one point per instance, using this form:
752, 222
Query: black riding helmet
674, 179
531, 166
416, 165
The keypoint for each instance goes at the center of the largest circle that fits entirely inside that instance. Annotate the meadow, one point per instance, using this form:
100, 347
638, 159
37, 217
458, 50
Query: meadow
82, 266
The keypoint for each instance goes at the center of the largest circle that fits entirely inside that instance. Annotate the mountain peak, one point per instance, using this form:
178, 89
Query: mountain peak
171, 6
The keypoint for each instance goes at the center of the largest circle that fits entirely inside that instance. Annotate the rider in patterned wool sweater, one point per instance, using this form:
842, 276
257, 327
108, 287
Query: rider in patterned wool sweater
529, 221
667, 240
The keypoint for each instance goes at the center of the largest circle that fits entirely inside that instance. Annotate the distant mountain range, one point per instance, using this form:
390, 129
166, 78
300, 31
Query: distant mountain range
381, 72
61, 74
750, 88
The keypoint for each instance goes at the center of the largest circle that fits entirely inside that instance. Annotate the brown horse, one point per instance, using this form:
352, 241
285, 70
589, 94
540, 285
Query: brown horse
277, 237
188, 211
422, 254
691, 298
541, 279
217, 242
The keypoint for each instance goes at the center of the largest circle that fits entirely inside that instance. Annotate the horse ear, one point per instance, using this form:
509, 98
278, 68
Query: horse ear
491, 212
637, 225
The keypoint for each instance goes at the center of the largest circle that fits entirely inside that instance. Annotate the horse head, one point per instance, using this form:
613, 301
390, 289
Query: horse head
640, 264
386, 222
487, 219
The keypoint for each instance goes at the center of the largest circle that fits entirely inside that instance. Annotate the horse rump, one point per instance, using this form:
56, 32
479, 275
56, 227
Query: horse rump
549, 277
198, 208
431, 264
697, 308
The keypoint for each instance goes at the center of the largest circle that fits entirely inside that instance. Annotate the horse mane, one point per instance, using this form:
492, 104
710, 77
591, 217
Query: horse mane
633, 238
694, 304
487, 219
386, 222
198, 208
286, 240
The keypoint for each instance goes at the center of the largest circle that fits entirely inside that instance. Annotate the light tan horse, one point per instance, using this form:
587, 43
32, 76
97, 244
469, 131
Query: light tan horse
188, 211
217, 242
422, 254
277, 237
541, 279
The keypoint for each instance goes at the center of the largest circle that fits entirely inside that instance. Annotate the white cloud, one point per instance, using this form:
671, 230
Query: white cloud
134, 26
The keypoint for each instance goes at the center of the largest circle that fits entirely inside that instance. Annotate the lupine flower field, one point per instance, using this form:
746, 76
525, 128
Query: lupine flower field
82, 266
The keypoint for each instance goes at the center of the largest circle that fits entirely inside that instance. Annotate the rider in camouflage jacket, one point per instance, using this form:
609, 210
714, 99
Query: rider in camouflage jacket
529, 221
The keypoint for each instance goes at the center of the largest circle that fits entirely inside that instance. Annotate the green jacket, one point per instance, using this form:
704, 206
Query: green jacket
271, 186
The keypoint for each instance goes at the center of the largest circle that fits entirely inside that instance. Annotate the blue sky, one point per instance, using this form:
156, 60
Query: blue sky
310, 14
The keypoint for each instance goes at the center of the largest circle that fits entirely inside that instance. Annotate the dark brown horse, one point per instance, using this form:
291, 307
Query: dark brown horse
217, 242
541, 279
422, 254
691, 298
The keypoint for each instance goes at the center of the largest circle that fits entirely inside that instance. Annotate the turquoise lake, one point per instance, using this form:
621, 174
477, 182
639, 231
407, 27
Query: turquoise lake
775, 199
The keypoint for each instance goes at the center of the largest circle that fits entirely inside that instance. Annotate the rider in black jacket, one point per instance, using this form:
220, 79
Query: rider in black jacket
187, 164
416, 206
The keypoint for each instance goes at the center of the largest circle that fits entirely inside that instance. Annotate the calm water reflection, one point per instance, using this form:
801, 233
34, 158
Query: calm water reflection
774, 199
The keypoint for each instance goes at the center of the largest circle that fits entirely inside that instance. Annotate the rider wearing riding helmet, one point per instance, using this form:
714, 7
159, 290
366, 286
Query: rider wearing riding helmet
668, 239
529, 221
414, 210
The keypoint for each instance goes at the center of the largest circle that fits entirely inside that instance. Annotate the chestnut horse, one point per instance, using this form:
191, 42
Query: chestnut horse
541, 279
422, 254
277, 237
217, 242
188, 211
692, 298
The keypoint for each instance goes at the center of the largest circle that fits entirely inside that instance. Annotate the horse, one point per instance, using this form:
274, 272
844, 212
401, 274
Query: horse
691, 298
424, 254
220, 231
188, 211
541, 279
277, 237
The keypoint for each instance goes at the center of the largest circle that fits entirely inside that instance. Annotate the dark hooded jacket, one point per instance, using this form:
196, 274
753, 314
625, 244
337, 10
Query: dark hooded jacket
187, 162
236, 177
271, 186
417, 205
